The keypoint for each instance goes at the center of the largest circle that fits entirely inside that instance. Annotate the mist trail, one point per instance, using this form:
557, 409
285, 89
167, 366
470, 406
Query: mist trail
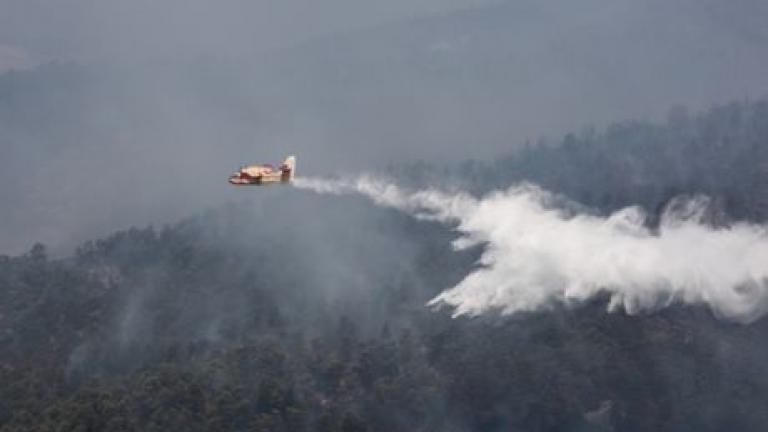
538, 253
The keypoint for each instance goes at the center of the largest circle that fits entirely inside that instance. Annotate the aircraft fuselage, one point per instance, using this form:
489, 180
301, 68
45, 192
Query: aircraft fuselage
257, 175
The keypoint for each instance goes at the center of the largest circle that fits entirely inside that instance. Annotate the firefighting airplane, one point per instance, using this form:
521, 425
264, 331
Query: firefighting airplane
258, 175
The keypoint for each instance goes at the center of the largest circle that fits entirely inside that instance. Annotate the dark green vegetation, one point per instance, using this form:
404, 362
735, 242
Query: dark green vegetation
306, 313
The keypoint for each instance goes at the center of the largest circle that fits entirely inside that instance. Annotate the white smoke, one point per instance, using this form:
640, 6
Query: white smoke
538, 254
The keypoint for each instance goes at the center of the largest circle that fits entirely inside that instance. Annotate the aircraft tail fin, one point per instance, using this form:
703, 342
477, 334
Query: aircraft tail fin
289, 166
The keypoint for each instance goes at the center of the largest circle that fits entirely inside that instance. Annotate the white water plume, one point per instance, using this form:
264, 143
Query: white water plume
537, 254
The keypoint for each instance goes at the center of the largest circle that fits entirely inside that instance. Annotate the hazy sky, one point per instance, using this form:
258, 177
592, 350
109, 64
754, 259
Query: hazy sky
119, 113
113, 30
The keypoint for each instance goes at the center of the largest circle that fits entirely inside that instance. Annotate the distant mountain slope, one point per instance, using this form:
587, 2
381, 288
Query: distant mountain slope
154, 139
472, 82
721, 152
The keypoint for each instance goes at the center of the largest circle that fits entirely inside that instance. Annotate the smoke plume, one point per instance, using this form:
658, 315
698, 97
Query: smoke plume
540, 251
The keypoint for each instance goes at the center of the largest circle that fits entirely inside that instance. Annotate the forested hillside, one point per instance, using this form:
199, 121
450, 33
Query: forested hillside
307, 313
721, 152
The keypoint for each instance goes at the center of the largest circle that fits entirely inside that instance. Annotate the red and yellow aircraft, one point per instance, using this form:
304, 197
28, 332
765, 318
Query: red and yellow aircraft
258, 175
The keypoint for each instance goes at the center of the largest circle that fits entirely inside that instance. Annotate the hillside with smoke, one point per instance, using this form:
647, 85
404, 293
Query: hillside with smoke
509, 216
422, 298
